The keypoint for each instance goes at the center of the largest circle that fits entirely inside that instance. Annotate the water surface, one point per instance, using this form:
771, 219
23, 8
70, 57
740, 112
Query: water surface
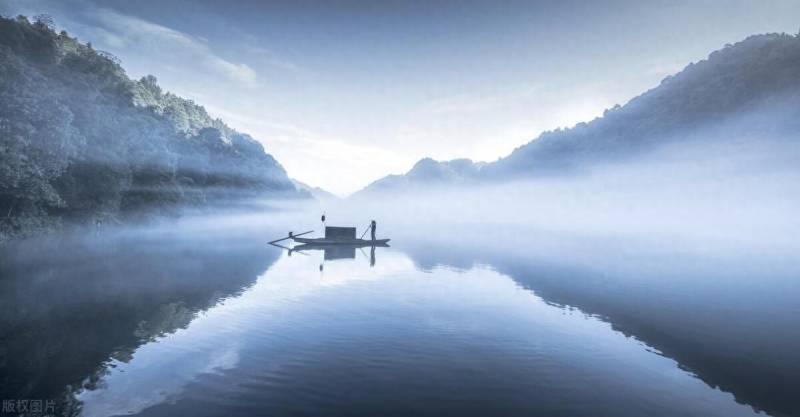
211, 321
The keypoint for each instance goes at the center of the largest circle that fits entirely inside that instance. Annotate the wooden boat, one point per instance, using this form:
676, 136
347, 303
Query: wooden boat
341, 236
351, 242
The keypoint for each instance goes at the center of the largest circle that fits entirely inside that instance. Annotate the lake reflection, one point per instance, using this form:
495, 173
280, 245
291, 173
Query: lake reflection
198, 323
397, 340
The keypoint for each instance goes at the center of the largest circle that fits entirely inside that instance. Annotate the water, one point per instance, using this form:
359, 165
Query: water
203, 318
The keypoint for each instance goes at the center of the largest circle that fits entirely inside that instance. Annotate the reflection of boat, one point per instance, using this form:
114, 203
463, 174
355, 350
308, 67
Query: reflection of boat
339, 250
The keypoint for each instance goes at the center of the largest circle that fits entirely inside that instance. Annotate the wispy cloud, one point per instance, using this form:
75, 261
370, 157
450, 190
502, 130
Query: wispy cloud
123, 30
253, 47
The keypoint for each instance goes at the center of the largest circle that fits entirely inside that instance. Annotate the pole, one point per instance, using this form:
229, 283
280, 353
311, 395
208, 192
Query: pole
366, 230
290, 236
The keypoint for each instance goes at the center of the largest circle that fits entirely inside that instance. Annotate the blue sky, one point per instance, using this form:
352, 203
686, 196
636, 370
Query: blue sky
345, 92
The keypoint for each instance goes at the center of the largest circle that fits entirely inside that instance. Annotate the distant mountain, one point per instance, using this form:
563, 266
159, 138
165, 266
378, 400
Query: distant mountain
316, 192
750, 89
81, 140
429, 171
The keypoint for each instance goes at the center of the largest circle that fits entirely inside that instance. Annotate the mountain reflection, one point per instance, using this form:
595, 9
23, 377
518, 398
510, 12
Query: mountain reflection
728, 317
199, 321
394, 340
70, 305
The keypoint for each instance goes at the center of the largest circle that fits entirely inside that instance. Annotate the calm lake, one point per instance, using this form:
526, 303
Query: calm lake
203, 318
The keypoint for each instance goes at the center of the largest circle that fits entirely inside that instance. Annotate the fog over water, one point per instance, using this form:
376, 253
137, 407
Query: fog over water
660, 287
722, 194
644, 263
664, 283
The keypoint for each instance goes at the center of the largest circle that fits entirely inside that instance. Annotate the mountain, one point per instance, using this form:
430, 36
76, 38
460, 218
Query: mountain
429, 172
750, 89
81, 140
316, 192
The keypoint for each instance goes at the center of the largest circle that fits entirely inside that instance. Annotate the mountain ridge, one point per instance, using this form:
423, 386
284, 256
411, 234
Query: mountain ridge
319, 193
81, 140
759, 71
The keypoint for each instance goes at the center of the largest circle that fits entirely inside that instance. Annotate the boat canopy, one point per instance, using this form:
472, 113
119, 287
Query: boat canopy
343, 233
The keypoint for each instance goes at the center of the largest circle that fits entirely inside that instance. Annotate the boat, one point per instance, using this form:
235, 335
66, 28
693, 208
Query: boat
335, 235
349, 242
342, 236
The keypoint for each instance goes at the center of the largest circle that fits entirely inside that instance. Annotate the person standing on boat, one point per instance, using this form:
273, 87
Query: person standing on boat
373, 226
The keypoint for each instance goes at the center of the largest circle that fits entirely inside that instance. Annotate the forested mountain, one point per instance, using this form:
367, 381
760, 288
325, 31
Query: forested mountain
749, 90
79, 139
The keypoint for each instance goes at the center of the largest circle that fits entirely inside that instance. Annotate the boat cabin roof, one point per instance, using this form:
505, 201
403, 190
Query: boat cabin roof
335, 232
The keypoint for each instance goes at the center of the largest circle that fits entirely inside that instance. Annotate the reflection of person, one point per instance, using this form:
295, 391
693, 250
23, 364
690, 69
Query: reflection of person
373, 226
372, 256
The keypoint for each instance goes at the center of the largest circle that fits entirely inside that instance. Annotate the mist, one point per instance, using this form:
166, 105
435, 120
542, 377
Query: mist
722, 193
156, 261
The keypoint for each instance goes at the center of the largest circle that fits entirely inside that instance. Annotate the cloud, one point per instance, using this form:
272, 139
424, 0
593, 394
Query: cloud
271, 57
122, 30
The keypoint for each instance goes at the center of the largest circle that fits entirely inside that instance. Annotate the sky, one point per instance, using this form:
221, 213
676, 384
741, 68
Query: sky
344, 92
